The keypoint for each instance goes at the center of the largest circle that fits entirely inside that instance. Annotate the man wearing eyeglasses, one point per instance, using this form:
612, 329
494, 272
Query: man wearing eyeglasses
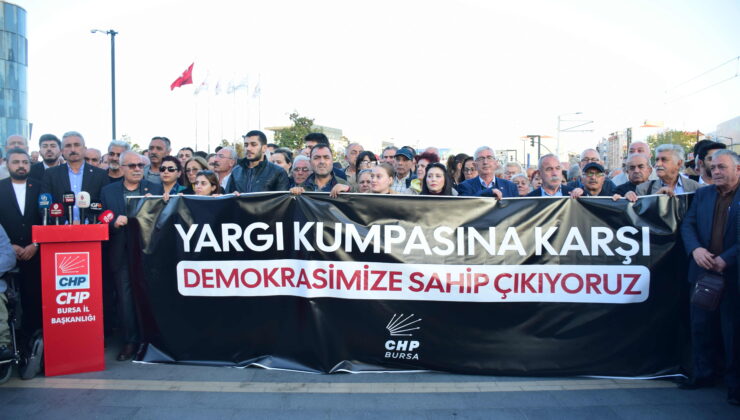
115, 149
113, 198
223, 163
486, 184
75, 175
592, 178
592, 156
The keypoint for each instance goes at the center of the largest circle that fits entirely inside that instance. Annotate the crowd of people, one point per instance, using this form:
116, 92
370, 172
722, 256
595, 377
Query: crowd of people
709, 230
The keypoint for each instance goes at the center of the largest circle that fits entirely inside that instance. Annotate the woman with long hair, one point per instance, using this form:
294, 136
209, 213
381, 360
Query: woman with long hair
455, 166
468, 170
437, 181
193, 165
383, 175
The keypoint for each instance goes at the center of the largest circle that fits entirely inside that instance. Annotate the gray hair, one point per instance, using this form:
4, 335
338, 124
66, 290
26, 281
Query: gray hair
514, 164
574, 172
127, 153
722, 152
583, 153
231, 151
118, 143
673, 148
542, 159
300, 158
641, 155
520, 175
480, 149
73, 134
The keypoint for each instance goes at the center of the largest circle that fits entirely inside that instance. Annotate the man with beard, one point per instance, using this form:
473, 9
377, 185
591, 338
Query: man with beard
115, 150
552, 178
114, 199
74, 176
254, 173
638, 171
704, 161
18, 212
322, 178
159, 147
486, 184
51, 152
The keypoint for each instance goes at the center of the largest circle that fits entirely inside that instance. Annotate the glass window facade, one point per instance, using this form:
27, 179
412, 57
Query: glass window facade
13, 72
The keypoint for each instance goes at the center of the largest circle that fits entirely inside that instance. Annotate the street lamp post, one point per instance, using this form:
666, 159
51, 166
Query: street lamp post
112, 34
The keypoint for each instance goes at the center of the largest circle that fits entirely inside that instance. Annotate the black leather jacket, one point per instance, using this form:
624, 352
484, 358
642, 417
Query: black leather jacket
265, 176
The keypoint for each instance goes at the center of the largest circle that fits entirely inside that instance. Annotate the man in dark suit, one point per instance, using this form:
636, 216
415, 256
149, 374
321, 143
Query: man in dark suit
18, 212
75, 175
709, 232
486, 184
114, 198
51, 150
552, 179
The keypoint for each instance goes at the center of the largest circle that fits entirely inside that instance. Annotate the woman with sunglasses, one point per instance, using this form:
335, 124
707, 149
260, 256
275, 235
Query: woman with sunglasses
170, 171
194, 165
206, 183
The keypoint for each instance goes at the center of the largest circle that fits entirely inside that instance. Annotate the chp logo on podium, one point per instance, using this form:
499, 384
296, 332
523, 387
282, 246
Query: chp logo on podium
72, 270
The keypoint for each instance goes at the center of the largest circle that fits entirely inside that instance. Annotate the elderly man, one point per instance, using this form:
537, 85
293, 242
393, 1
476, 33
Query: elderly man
589, 156
552, 178
709, 233
114, 198
51, 153
115, 150
74, 176
322, 178
403, 164
93, 157
592, 179
486, 184
668, 164
704, 160
300, 171
223, 163
511, 169
159, 147
388, 155
636, 147
14, 141
638, 171
254, 173
350, 159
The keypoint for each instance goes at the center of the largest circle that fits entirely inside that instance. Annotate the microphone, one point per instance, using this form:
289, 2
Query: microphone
83, 202
57, 211
106, 217
96, 208
68, 198
44, 203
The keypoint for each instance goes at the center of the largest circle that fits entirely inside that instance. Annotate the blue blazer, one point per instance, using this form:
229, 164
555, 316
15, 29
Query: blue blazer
696, 230
473, 188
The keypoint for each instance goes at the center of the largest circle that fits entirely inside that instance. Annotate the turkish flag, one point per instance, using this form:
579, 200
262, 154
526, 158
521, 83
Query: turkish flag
185, 79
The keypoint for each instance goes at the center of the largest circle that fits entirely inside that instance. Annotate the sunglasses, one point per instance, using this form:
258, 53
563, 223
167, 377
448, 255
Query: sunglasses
135, 165
168, 168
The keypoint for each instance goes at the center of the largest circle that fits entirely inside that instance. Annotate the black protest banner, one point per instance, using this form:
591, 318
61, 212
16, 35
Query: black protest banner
363, 282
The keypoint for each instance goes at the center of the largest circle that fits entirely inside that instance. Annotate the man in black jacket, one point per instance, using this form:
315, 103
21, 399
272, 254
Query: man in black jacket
18, 212
50, 148
254, 173
75, 175
114, 199
638, 171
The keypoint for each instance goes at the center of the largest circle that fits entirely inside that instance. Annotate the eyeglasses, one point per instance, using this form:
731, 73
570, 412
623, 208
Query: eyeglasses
593, 174
133, 166
168, 168
590, 159
212, 164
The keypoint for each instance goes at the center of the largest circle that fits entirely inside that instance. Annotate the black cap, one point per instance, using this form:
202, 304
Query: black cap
594, 165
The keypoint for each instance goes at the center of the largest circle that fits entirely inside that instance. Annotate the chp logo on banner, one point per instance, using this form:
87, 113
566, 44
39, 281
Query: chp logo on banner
72, 270
401, 345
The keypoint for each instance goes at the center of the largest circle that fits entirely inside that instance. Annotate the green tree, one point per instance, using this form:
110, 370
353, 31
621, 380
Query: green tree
292, 137
680, 138
133, 146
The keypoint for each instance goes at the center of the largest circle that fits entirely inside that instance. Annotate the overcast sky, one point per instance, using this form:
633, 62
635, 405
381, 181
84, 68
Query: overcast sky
446, 73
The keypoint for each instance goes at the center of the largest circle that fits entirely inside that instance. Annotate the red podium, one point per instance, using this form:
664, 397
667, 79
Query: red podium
72, 297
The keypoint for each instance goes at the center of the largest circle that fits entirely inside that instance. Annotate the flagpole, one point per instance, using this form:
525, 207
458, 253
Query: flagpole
233, 111
208, 123
196, 123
